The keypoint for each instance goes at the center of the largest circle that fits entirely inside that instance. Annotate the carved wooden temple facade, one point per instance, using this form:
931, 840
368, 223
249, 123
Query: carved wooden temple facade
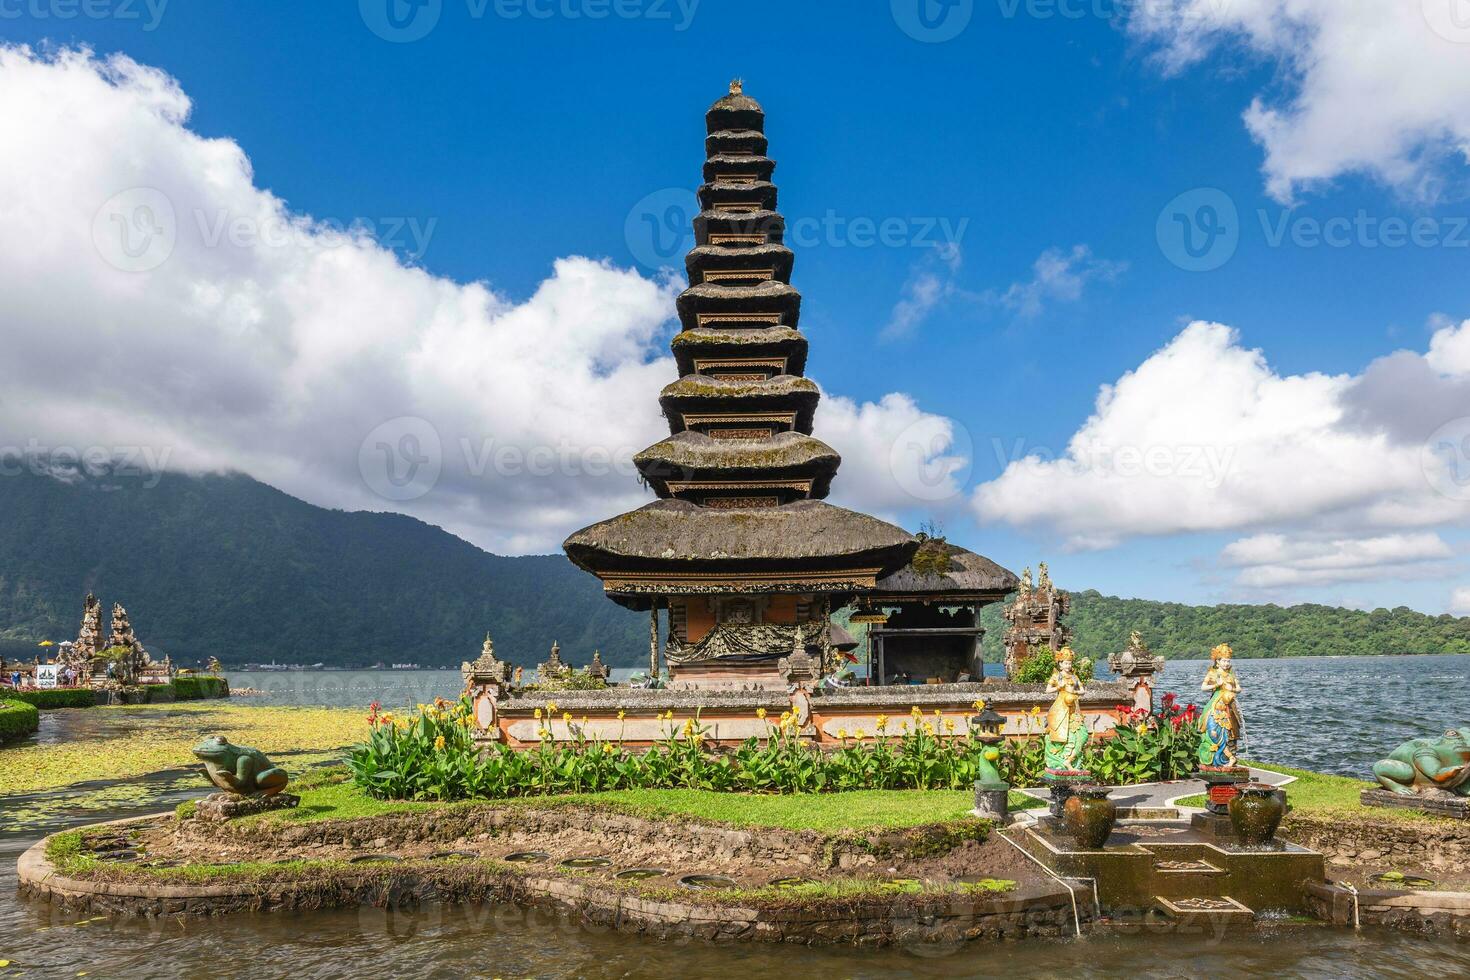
741, 548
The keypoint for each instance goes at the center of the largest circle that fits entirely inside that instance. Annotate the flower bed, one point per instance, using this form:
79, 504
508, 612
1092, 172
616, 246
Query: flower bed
17, 719
432, 755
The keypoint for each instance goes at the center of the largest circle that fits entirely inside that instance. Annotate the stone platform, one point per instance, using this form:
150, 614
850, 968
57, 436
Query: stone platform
1446, 805
1158, 863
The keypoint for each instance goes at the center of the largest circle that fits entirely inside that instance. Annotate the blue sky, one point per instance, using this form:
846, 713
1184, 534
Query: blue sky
521, 140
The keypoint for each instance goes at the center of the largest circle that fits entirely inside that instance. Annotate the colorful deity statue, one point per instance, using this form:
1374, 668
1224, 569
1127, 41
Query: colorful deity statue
1220, 722
1066, 728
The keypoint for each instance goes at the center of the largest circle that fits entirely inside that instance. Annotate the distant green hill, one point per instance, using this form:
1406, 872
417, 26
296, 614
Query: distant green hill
227, 566
1102, 623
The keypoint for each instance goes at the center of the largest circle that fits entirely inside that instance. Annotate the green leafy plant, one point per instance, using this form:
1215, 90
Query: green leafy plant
1148, 747
1038, 669
431, 754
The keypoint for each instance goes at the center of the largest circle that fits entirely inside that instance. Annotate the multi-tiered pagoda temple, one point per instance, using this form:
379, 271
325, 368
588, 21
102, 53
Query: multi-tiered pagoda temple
740, 548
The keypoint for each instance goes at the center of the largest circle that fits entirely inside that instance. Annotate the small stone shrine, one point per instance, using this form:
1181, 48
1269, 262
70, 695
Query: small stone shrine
1034, 620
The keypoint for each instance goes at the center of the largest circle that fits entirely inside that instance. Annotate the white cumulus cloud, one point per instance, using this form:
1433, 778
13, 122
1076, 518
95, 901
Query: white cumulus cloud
1272, 561
1378, 87
1205, 436
155, 300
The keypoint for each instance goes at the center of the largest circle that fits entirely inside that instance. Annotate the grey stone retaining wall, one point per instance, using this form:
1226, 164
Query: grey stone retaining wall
1394, 844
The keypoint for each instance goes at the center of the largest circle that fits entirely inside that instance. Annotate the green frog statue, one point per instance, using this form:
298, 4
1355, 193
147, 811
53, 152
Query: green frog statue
239, 769
1423, 766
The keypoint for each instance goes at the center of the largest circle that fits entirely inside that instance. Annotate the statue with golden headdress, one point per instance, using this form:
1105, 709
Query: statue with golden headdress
1220, 723
1066, 728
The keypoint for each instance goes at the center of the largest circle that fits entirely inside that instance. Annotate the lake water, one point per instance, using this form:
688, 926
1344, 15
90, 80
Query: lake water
1331, 714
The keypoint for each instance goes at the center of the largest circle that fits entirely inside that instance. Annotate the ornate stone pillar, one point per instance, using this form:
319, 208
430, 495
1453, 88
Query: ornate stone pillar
1137, 666
486, 681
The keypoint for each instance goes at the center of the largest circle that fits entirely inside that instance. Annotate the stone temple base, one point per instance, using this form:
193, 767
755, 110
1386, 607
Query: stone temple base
217, 807
1439, 804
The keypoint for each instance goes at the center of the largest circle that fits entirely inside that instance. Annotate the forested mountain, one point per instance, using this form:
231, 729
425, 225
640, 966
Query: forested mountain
227, 566
1102, 623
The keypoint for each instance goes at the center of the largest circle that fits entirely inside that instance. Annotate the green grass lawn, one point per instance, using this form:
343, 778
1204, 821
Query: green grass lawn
1320, 795
325, 799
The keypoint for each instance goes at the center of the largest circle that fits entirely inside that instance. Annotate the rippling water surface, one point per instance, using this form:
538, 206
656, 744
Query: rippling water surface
1331, 714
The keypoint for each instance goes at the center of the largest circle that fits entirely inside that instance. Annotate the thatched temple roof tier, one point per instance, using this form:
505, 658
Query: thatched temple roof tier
735, 111
694, 457
735, 142
748, 195
702, 259
676, 546
957, 576
710, 342
744, 165
708, 304
743, 228
701, 395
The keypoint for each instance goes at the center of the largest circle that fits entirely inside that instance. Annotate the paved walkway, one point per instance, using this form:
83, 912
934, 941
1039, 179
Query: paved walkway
1162, 794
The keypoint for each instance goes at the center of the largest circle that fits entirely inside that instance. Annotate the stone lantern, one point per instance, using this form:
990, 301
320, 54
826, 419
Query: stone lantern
991, 791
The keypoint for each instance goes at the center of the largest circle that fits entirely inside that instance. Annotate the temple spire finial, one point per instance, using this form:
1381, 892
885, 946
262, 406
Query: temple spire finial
737, 86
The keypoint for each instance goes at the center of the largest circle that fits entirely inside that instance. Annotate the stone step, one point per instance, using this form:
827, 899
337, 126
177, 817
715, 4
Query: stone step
1204, 911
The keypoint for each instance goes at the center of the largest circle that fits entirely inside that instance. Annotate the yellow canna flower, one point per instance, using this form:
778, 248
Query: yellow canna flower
760, 713
949, 724
467, 721
882, 722
538, 714
551, 707
928, 728
859, 734
607, 748
622, 714
842, 734
938, 713
979, 704
916, 712
439, 743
